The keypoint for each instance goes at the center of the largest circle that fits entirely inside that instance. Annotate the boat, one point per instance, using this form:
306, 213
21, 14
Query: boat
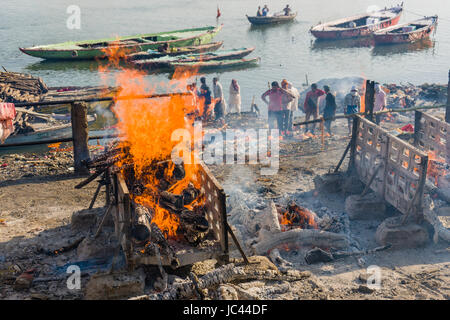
97, 49
151, 54
276, 18
165, 62
407, 32
402, 48
358, 26
223, 64
59, 127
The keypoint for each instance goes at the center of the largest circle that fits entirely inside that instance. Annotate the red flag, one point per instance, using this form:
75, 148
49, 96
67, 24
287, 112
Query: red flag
218, 12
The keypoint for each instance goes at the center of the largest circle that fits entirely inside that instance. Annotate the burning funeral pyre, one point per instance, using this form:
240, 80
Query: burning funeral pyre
169, 210
165, 201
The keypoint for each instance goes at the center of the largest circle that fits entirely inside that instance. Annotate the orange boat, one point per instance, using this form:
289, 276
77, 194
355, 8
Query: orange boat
358, 26
407, 32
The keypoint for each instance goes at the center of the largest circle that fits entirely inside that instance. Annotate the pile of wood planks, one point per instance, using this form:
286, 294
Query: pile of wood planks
20, 87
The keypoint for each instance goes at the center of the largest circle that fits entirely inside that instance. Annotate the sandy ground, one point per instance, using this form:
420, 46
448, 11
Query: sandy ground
35, 216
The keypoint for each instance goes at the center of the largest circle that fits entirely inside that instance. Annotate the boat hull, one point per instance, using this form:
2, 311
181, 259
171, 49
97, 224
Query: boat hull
349, 33
100, 53
225, 64
158, 63
183, 50
271, 20
63, 131
409, 37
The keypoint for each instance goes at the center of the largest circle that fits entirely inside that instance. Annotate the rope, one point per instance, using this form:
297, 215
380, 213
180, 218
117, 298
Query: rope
421, 15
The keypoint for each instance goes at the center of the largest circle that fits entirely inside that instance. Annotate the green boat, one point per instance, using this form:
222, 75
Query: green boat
96, 49
213, 65
164, 62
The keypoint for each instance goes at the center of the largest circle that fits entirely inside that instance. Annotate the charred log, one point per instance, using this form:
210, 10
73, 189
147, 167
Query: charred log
193, 226
171, 201
157, 237
190, 194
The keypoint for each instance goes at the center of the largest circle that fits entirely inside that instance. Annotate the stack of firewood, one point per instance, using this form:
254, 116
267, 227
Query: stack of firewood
186, 206
19, 87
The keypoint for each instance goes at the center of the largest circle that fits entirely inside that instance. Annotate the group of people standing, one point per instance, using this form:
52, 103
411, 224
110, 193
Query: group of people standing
214, 101
283, 101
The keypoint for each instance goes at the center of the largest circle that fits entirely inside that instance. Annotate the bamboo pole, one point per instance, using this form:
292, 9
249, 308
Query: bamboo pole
343, 116
322, 132
339, 116
49, 141
447, 109
70, 101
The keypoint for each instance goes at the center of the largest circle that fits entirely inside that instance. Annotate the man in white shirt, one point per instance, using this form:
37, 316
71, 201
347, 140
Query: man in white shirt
293, 106
219, 99
379, 103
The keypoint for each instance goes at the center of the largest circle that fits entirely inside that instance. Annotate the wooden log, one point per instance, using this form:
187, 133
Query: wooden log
370, 99
158, 237
447, 109
430, 215
229, 273
351, 163
80, 135
89, 179
305, 237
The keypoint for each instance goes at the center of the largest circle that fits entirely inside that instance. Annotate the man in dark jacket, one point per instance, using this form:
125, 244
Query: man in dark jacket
205, 95
330, 108
311, 106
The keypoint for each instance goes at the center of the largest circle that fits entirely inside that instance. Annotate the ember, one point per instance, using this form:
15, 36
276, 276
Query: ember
437, 167
297, 217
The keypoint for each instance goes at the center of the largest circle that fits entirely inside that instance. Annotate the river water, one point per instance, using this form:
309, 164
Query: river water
287, 51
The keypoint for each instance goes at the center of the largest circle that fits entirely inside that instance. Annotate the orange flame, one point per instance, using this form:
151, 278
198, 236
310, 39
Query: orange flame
436, 167
296, 216
363, 97
146, 127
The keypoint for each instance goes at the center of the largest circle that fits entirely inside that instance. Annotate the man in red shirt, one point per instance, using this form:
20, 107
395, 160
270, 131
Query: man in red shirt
275, 104
311, 106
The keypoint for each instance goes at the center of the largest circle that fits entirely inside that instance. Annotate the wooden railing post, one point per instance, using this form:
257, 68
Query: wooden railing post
369, 99
351, 163
447, 110
80, 135
417, 128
